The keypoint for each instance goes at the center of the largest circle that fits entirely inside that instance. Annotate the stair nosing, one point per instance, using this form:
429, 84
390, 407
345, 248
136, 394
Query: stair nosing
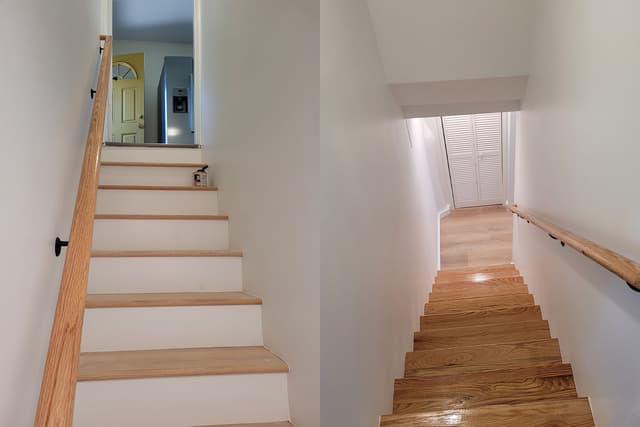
137, 300
486, 345
480, 311
178, 369
153, 164
481, 326
180, 217
167, 254
392, 417
156, 187
480, 267
468, 377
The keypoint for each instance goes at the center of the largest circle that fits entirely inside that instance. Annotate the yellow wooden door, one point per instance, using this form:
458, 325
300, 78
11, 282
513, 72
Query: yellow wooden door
128, 100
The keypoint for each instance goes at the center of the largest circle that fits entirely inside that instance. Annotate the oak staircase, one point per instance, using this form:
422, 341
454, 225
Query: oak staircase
170, 337
485, 357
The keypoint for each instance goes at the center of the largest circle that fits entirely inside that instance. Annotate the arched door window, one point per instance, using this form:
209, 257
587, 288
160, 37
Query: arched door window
123, 71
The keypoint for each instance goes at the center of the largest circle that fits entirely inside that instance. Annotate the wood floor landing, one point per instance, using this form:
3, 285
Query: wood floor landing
476, 237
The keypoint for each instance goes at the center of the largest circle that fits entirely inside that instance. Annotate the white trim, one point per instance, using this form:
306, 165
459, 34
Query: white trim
510, 153
106, 28
197, 71
443, 213
504, 123
445, 177
476, 204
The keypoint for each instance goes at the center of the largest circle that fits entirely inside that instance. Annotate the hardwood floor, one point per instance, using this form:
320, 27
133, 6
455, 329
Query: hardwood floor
472, 237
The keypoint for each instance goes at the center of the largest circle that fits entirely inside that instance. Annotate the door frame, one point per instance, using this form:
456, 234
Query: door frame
106, 25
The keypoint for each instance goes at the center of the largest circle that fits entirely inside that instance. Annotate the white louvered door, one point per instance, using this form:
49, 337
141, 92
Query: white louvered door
474, 151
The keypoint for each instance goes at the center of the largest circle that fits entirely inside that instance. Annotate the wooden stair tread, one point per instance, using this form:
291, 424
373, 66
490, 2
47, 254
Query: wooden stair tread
564, 412
154, 164
552, 369
482, 269
114, 365
170, 299
498, 281
276, 424
486, 357
476, 277
503, 333
163, 254
480, 303
481, 317
479, 291
156, 187
158, 217
461, 284
471, 395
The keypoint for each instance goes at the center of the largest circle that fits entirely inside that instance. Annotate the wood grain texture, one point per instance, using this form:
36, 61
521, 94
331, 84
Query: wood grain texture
156, 187
484, 303
280, 424
503, 333
178, 362
485, 358
154, 164
487, 377
623, 267
476, 237
478, 269
164, 254
477, 291
180, 217
170, 299
57, 392
481, 358
503, 281
414, 397
545, 413
476, 277
481, 317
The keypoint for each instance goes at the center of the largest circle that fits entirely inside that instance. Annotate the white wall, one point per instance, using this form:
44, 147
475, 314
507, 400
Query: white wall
378, 226
260, 131
577, 165
429, 132
433, 40
154, 53
50, 54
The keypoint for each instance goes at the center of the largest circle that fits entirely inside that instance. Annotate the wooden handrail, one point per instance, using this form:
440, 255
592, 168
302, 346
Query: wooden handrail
57, 393
626, 269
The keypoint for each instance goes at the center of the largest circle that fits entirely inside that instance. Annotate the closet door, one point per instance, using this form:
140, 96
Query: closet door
474, 150
459, 138
488, 131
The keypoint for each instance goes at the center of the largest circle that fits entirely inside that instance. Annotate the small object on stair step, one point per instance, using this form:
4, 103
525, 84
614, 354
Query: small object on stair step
201, 177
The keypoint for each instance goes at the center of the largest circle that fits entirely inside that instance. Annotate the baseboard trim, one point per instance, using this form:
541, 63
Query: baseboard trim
443, 213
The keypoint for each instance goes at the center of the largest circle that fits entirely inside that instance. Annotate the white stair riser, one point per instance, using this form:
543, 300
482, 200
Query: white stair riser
170, 274
138, 175
169, 202
151, 154
145, 328
160, 234
182, 401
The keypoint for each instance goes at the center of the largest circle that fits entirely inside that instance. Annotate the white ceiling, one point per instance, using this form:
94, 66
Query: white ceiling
441, 40
153, 20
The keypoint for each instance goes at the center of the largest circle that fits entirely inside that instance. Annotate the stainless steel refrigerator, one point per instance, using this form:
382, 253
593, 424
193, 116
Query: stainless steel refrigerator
175, 101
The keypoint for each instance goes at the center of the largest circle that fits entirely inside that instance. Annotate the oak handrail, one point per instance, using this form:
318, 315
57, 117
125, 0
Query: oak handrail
57, 392
628, 270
